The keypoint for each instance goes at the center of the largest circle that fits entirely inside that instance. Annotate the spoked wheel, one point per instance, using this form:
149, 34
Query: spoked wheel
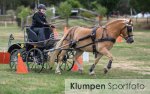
13, 59
68, 63
35, 60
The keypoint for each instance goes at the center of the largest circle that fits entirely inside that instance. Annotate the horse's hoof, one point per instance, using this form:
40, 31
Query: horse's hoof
105, 70
92, 73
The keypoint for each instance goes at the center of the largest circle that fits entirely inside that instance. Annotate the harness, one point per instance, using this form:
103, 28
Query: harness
72, 43
94, 40
93, 37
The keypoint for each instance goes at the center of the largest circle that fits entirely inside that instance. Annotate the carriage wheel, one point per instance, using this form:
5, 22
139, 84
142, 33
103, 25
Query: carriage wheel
35, 60
14, 58
68, 63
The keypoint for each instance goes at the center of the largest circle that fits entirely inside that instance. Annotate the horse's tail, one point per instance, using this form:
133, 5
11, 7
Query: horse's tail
59, 44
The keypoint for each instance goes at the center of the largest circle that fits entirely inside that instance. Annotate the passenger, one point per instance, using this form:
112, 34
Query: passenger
40, 25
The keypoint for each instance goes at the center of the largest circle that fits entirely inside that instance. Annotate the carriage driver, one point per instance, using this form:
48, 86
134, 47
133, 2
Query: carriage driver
40, 24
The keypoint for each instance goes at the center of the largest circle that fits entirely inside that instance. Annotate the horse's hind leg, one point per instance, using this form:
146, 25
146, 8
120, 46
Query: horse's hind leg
77, 55
105, 52
91, 70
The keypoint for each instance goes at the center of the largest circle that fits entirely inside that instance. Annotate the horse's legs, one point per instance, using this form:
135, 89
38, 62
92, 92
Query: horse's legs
77, 55
60, 58
91, 70
105, 52
58, 68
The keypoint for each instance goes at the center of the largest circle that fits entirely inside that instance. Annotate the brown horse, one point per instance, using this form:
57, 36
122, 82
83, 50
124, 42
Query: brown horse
98, 40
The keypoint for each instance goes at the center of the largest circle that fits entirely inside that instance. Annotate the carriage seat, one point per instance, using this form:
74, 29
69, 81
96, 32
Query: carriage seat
32, 36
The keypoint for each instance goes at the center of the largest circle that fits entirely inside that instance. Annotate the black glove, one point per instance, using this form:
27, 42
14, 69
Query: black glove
52, 26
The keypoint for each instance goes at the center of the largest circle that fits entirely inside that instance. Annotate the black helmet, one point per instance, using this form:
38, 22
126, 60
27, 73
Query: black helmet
41, 6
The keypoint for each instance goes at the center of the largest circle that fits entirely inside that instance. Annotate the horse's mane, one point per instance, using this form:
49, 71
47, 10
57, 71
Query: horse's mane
115, 21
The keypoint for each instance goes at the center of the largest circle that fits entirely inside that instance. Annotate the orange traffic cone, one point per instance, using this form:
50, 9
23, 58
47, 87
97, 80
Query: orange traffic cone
21, 67
75, 67
119, 39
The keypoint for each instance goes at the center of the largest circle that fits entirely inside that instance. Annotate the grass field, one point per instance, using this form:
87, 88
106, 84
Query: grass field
130, 62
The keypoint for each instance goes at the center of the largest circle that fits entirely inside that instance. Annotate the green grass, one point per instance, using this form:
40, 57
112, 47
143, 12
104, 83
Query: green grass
5, 33
50, 83
134, 55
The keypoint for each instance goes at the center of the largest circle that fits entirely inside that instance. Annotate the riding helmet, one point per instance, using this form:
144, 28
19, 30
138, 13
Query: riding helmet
41, 6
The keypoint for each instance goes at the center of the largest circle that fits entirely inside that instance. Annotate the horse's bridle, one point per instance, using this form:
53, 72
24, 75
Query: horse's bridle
129, 28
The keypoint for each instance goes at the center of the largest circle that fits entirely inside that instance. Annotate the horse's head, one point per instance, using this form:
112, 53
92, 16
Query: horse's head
127, 31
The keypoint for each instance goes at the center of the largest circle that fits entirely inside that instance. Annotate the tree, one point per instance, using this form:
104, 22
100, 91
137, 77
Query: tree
11, 13
13, 4
87, 3
74, 3
110, 5
64, 11
123, 7
101, 12
24, 12
140, 5
49, 14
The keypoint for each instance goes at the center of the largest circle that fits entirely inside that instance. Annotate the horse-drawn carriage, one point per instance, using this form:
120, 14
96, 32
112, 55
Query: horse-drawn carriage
98, 40
35, 53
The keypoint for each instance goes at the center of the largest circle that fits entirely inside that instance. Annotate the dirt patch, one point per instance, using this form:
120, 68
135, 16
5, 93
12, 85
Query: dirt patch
133, 66
145, 73
145, 50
